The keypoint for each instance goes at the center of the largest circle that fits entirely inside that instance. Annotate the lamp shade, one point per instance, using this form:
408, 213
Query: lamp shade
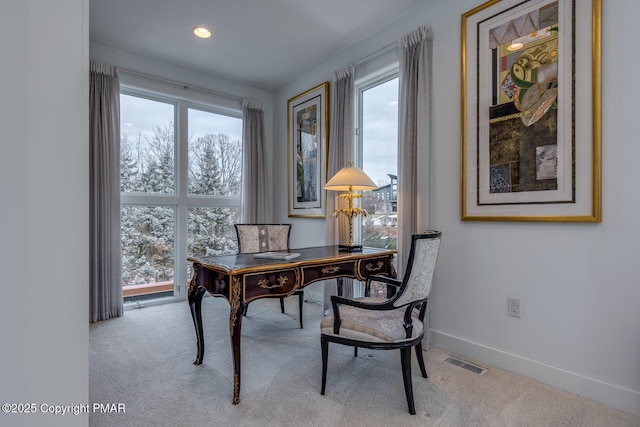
350, 178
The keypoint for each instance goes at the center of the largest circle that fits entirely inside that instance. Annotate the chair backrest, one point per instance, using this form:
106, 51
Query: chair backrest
416, 283
254, 238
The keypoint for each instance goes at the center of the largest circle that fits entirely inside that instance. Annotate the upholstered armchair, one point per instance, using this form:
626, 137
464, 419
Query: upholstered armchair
387, 323
254, 238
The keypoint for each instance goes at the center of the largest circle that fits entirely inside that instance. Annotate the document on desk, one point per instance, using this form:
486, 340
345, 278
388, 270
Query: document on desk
277, 255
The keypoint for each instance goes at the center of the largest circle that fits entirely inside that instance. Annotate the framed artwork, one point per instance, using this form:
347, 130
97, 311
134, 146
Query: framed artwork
531, 119
307, 125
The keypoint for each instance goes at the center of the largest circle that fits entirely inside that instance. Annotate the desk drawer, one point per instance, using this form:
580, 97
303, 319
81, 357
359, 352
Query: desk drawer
281, 282
357, 269
329, 271
373, 266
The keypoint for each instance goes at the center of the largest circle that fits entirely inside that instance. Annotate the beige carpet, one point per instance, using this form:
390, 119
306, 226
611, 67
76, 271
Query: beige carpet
144, 361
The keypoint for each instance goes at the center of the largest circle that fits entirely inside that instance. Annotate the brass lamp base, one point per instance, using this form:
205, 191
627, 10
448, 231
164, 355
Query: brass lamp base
350, 248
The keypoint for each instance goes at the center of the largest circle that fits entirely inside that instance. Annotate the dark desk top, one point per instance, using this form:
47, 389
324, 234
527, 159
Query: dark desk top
238, 263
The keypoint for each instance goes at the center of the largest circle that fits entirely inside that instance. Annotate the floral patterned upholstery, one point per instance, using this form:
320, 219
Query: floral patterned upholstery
371, 325
418, 284
262, 237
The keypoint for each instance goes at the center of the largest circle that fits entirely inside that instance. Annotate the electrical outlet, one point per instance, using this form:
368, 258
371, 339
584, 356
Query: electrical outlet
514, 307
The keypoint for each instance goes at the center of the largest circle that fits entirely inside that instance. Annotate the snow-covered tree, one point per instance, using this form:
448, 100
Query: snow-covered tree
147, 232
215, 166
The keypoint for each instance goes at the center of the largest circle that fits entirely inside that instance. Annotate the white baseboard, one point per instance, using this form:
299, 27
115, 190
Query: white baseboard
614, 396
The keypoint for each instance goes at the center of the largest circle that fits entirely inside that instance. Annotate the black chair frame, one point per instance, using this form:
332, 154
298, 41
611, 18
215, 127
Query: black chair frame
403, 346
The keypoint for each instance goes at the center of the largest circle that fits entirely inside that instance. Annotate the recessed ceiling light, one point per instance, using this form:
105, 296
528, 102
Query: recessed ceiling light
202, 32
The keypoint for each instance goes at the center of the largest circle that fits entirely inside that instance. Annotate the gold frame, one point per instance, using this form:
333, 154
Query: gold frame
315, 99
586, 178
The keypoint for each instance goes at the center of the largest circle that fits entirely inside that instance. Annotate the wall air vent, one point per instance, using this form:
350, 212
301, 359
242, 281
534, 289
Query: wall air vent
465, 365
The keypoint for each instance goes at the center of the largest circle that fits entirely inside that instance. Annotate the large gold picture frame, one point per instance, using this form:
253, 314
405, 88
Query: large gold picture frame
307, 126
531, 111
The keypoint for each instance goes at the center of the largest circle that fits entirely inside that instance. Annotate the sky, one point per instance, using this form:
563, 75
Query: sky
380, 131
138, 115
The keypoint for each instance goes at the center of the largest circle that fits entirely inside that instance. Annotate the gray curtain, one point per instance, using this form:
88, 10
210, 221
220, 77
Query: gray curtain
105, 283
413, 142
256, 195
413, 138
341, 147
341, 151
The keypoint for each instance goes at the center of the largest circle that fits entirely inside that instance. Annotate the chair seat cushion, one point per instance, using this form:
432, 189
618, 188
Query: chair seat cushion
371, 325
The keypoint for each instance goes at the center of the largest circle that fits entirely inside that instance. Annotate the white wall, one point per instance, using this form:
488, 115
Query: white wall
580, 283
44, 196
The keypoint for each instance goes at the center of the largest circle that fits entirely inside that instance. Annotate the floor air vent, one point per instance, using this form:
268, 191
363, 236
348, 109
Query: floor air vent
465, 365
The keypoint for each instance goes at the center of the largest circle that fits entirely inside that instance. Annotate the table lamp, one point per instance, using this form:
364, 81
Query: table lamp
348, 179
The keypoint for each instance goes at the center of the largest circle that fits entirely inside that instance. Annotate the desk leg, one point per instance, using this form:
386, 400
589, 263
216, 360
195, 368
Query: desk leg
195, 304
339, 286
235, 323
236, 308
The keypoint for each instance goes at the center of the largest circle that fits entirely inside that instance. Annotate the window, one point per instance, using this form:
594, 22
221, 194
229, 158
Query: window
377, 144
180, 181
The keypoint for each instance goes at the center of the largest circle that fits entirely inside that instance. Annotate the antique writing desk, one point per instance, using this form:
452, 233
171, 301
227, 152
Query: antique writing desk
242, 278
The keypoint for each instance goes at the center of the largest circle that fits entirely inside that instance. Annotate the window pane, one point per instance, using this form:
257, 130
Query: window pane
147, 238
152, 153
211, 231
147, 145
215, 154
380, 162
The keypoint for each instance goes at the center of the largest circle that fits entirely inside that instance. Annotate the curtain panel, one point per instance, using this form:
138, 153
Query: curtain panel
256, 193
341, 151
414, 142
341, 147
105, 283
413, 138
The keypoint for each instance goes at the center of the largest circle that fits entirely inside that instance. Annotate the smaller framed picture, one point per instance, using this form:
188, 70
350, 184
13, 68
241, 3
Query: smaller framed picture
307, 124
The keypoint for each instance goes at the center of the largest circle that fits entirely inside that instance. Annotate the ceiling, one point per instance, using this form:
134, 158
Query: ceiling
261, 43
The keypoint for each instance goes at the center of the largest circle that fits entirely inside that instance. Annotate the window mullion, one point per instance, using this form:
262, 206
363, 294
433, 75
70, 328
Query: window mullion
182, 169
182, 134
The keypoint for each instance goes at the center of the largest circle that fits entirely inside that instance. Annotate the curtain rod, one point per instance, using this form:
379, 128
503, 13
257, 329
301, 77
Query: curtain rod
183, 85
